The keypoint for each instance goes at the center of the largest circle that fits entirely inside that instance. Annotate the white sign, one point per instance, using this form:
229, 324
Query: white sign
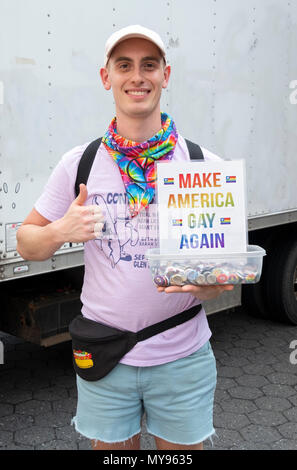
202, 207
10, 236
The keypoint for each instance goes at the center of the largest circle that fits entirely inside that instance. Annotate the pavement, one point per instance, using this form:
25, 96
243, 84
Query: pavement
255, 399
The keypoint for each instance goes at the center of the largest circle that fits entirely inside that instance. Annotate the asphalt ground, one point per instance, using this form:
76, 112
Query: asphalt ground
255, 399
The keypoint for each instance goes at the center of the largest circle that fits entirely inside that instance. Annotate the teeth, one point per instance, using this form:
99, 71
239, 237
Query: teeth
137, 92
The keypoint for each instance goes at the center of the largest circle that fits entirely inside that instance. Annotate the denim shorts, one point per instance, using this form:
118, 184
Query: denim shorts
177, 398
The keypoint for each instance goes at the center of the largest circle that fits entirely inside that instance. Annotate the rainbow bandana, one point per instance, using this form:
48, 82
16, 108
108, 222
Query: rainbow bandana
136, 160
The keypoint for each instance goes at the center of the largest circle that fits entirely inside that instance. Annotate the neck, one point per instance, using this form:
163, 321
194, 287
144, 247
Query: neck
138, 129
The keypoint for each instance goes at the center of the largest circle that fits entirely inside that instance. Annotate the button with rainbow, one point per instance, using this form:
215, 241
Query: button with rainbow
83, 359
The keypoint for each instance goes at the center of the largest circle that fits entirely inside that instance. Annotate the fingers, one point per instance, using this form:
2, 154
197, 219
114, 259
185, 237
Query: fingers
98, 218
170, 289
98, 229
97, 213
160, 289
98, 226
202, 292
96, 209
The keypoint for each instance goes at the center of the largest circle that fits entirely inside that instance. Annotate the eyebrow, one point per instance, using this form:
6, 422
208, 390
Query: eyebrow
128, 59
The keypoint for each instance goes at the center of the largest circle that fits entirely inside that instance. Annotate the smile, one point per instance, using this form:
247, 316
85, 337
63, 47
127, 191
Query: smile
137, 92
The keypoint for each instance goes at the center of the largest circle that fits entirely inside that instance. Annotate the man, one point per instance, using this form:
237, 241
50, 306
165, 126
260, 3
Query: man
171, 376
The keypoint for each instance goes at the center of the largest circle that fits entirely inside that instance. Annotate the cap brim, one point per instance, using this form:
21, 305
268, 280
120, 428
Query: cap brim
131, 36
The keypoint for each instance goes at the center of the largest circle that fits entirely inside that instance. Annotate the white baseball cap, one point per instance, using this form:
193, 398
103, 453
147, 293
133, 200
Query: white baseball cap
133, 31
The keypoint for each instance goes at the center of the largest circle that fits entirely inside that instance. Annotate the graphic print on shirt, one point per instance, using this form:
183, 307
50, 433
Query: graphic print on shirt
120, 232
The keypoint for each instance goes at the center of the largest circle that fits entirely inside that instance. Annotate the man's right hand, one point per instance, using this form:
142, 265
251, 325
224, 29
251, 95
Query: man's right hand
38, 238
81, 223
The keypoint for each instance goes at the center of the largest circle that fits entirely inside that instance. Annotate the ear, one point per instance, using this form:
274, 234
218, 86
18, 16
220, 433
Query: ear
105, 78
167, 72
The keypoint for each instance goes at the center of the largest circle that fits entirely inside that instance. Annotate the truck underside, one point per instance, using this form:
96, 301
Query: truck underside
275, 296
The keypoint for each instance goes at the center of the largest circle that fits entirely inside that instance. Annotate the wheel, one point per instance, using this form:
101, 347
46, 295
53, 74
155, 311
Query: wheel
281, 279
254, 296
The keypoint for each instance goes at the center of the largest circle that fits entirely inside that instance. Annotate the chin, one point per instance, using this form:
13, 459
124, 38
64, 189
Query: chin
141, 112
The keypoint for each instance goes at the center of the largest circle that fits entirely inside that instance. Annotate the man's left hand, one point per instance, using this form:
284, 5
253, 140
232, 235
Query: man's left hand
200, 292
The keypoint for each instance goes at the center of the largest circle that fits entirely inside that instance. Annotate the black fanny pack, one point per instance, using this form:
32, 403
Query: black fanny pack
97, 348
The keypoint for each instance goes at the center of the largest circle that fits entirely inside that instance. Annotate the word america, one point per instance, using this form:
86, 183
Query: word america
195, 200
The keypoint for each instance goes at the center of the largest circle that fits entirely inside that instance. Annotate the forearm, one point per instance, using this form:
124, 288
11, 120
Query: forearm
39, 243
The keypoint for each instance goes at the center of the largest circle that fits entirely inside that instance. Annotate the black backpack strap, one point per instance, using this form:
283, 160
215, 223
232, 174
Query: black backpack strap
168, 323
194, 150
86, 163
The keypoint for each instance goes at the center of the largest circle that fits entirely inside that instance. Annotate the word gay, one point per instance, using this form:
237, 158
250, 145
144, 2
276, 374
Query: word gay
203, 219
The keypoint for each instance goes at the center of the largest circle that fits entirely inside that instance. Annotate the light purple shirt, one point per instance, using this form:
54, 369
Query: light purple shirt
118, 289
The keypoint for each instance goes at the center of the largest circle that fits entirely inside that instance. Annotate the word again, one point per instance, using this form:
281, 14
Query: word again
195, 241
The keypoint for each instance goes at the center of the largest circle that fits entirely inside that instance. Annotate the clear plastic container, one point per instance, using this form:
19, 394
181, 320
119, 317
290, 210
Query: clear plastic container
176, 269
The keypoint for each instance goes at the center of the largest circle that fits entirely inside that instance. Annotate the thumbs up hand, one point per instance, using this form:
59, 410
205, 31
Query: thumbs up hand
83, 195
82, 223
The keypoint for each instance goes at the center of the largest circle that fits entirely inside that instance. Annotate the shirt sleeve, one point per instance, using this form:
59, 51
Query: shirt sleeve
59, 192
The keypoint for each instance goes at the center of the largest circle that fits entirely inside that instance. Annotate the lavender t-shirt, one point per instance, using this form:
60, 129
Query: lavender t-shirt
118, 288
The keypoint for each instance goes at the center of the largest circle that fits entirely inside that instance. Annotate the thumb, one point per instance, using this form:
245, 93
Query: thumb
83, 195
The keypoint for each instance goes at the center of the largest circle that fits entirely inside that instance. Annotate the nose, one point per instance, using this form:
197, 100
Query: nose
137, 76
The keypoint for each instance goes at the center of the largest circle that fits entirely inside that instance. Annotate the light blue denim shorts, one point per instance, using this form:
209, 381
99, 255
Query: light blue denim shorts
177, 398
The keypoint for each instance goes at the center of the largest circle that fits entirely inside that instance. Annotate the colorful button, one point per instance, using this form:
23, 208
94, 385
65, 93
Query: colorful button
211, 278
233, 278
161, 281
222, 278
191, 275
178, 279
170, 270
217, 271
200, 279
250, 277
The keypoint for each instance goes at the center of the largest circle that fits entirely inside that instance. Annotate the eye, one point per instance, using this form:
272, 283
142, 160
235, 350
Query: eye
124, 66
150, 65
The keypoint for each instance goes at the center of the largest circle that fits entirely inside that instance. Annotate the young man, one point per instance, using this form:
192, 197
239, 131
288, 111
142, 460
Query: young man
171, 376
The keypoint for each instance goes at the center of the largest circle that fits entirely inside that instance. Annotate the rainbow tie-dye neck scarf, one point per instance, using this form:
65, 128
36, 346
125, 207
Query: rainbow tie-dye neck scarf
136, 160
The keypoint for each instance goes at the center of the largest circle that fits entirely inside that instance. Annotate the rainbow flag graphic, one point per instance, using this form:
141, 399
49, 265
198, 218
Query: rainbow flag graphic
230, 179
225, 220
177, 222
168, 180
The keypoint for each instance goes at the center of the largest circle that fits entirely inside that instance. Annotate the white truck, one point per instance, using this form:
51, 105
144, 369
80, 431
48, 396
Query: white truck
233, 90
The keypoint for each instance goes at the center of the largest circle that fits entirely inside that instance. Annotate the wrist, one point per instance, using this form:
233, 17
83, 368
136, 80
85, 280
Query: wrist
57, 232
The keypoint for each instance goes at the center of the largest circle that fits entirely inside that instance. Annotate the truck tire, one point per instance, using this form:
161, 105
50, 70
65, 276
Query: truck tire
282, 282
254, 296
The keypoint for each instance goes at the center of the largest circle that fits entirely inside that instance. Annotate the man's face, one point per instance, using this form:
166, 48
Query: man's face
136, 73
